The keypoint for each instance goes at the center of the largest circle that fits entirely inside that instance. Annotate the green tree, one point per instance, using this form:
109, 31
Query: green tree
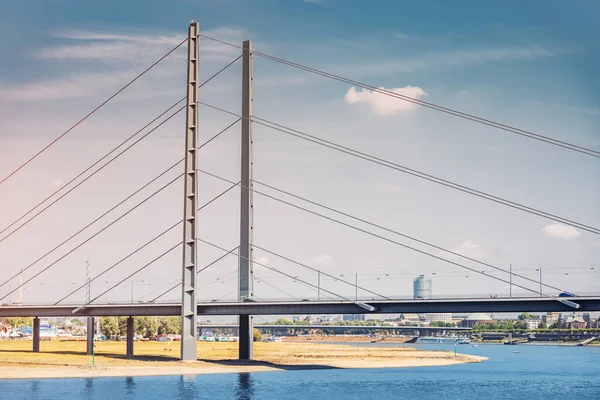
283, 321
17, 322
257, 335
169, 325
122, 321
542, 325
520, 325
442, 324
146, 326
525, 316
109, 326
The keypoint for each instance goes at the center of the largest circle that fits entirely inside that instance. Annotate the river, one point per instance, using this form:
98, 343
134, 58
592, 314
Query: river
512, 372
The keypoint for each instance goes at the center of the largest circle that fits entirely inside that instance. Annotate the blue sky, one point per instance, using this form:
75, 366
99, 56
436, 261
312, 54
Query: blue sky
529, 65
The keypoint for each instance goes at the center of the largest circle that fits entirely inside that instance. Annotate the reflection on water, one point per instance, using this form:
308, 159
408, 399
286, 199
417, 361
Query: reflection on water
88, 392
187, 387
245, 387
35, 387
129, 385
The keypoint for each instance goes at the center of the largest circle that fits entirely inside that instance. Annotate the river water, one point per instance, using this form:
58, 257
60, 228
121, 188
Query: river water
534, 372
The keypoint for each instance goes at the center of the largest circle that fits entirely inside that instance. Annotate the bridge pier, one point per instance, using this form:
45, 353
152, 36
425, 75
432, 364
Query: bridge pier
90, 335
246, 338
36, 334
130, 336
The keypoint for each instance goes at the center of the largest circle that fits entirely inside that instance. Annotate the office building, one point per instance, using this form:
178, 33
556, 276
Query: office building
438, 317
422, 287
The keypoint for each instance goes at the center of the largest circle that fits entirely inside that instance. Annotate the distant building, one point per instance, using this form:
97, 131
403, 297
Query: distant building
575, 323
551, 318
477, 319
412, 319
422, 287
353, 317
443, 317
532, 323
330, 318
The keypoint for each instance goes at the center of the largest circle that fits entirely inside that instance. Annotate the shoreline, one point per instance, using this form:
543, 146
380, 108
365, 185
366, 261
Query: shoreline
154, 359
204, 368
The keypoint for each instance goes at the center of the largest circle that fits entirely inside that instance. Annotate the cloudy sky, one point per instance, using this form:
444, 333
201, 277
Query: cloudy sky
533, 67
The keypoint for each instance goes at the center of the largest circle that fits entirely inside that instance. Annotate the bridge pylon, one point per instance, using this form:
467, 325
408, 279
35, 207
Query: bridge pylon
246, 275
189, 309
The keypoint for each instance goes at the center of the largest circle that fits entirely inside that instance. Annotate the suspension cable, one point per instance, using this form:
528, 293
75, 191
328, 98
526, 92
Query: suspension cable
319, 271
274, 269
91, 223
374, 234
110, 152
446, 110
89, 176
410, 171
399, 233
93, 111
93, 236
207, 266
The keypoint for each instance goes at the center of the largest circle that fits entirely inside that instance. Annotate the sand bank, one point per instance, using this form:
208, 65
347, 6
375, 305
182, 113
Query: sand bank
64, 360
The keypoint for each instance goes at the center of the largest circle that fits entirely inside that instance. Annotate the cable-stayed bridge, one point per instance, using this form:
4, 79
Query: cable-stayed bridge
324, 298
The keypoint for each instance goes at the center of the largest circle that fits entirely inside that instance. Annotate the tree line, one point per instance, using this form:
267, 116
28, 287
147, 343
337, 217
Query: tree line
147, 327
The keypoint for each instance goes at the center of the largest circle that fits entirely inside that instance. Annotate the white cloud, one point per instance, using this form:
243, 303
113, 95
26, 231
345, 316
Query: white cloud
116, 58
73, 86
137, 47
324, 260
452, 59
383, 104
470, 249
57, 182
561, 231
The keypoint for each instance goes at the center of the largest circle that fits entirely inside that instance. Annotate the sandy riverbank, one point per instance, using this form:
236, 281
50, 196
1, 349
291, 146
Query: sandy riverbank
67, 359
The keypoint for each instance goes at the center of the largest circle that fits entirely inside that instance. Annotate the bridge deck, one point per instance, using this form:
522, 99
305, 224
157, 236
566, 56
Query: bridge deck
310, 307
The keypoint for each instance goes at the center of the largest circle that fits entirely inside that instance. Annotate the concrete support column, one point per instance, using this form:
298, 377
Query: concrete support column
130, 335
246, 337
90, 335
36, 335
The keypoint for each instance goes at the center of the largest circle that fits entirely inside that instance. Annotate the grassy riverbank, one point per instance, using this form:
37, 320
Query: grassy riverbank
68, 359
